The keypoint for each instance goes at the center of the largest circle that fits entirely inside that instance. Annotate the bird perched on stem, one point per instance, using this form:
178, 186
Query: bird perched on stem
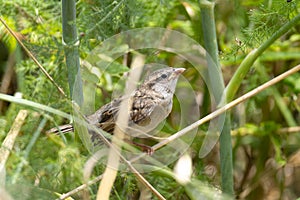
151, 103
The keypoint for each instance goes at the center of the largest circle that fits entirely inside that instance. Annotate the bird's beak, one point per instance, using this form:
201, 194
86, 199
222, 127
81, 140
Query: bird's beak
179, 71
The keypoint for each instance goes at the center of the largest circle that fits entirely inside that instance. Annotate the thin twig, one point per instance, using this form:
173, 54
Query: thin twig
221, 110
32, 57
9, 141
80, 188
293, 129
144, 181
110, 172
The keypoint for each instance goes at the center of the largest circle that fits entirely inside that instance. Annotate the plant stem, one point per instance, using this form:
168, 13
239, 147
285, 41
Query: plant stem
243, 69
71, 43
210, 41
34, 105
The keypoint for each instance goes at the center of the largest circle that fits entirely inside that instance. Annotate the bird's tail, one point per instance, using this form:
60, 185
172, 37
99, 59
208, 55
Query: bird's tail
61, 129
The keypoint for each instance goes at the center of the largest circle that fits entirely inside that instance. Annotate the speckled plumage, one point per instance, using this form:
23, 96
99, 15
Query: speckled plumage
151, 103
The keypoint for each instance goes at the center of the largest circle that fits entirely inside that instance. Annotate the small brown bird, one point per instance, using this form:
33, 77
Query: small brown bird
151, 103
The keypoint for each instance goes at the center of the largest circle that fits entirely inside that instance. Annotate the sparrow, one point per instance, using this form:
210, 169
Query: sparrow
151, 103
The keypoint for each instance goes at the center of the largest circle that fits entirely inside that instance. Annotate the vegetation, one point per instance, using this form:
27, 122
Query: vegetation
255, 42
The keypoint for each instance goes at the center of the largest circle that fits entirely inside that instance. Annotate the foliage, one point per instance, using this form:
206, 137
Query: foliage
264, 150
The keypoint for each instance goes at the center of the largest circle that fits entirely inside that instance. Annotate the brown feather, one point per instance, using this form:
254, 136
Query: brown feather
156, 92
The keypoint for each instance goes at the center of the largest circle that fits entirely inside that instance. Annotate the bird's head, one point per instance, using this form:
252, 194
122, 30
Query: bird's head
164, 79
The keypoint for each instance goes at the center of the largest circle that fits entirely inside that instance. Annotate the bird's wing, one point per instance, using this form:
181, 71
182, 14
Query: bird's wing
104, 117
142, 107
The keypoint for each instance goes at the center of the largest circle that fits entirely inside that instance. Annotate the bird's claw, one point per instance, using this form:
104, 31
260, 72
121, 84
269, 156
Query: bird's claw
148, 150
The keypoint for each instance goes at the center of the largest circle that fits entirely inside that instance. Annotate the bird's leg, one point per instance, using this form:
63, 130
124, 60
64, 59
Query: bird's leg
145, 148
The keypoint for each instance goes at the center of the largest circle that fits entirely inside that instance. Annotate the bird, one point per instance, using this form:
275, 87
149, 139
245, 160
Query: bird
151, 102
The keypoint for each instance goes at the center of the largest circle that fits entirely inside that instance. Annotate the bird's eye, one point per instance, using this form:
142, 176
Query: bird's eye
163, 76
